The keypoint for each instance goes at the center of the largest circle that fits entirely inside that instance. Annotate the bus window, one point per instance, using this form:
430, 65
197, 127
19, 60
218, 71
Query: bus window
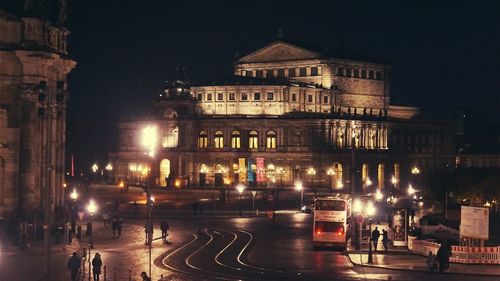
331, 205
322, 226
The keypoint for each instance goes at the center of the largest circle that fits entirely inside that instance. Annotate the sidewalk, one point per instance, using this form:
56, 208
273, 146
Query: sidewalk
404, 260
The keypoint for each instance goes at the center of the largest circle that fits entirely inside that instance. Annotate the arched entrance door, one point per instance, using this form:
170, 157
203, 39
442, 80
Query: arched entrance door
203, 175
164, 172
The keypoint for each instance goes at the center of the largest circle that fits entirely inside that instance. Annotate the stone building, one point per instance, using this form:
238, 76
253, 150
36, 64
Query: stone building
34, 64
290, 112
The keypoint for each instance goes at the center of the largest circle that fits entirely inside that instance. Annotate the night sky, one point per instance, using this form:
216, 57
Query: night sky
445, 54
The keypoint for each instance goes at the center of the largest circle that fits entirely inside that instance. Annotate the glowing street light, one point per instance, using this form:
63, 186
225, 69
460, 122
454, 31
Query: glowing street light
109, 167
340, 184
330, 172
415, 170
358, 206
368, 182
95, 168
73, 195
411, 190
240, 188
92, 207
378, 195
394, 180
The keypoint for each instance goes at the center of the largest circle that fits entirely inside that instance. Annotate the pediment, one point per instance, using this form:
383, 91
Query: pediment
279, 51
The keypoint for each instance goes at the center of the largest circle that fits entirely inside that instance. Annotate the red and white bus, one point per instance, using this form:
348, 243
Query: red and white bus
331, 226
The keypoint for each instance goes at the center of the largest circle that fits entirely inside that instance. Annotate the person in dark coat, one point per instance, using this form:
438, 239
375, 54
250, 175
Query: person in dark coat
375, 236
164, 230
74, 264
114, 225
96, 266
443, 256
385, 239
145, 276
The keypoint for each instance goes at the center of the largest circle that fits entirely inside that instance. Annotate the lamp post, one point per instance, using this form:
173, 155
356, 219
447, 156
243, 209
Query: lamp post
73, 196
299, 187
240, 188
370, 211
91, 209
94, 168
149, 141
311, 172
330, 172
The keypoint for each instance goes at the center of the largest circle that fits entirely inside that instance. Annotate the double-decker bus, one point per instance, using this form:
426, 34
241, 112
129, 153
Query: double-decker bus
331, 221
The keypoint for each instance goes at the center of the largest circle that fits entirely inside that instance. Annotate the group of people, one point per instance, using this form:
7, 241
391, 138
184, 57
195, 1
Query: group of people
376, 235
74, 265
148, 229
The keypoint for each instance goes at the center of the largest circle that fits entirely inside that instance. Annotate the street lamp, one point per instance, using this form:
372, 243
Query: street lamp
300, 188
415, 170
312, 172
370, 211
330, 172
73, 195
94, 168
149, 139
378, 195
91, 209
411, 190
240, 188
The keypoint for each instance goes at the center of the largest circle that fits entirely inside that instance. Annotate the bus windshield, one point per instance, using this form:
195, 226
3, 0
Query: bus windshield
331, 205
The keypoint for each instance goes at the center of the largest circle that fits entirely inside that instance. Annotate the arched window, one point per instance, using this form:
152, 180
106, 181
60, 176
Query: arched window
364, 172
164, 171
381, 175
203, 139
235, 139
203, 169
271, 139
253, 139
219, 139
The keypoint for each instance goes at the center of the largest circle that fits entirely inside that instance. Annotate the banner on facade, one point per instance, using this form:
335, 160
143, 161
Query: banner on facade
242, 170
250, 172
261, 177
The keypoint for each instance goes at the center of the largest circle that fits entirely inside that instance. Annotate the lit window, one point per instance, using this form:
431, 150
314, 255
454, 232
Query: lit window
220, 96
302, 71
219, 139
314, 71
253, 139
209, 96
270, 96
256, 96
271, 140
232, 96
291, 72
235, 139
244, 96
203, 139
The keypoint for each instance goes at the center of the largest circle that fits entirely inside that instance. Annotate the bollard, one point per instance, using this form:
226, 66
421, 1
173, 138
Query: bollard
129, 275
114, 274
104, 273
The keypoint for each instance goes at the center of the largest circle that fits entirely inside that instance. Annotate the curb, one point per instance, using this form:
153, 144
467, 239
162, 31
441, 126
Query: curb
419, 270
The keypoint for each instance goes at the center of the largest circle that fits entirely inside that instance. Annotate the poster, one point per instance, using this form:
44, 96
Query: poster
250, 173
399, 227
261, 177
242, 170
474, 222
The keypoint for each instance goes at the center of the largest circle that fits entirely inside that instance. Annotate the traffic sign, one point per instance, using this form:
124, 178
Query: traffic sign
360, 219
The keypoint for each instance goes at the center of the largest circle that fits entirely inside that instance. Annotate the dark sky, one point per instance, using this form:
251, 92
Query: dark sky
445, 54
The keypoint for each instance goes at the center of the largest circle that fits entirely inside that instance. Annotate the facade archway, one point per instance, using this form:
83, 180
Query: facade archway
164, 172
203, 175
338, 176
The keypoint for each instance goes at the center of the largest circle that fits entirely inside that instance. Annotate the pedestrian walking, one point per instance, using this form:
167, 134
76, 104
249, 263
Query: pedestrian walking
96, 266
385, 239
431, 262
164, 230
443, 256
148, 230
114, 225
145, 276
120, 226
74, 264
375, 236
